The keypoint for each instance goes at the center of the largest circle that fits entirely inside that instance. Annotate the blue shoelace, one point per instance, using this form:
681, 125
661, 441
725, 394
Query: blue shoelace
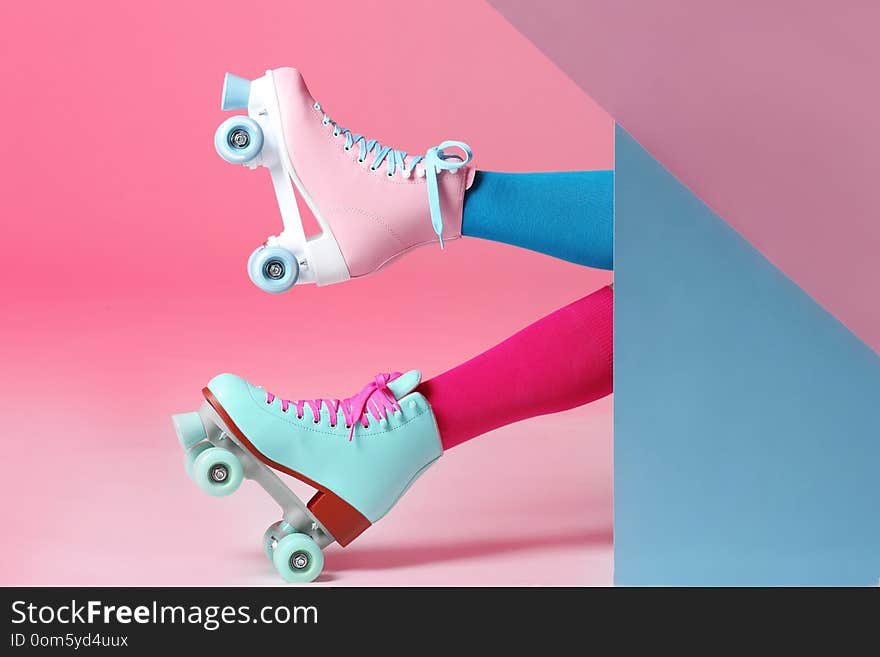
435, 161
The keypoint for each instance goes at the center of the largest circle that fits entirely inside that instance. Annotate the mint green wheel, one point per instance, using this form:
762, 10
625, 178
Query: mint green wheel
270, 538
191, 455
275, 532
298, 558
217, 471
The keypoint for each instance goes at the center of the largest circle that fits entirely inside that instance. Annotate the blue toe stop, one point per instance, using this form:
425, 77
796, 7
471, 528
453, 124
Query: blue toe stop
236, 92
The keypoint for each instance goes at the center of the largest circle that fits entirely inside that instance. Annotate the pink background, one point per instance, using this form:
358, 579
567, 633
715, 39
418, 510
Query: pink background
766, 110
124, 242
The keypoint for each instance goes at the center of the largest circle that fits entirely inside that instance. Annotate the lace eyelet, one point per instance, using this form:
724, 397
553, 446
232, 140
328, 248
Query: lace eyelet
389, 174
346, 148
360, 160
348, 426
372, 168
299, 417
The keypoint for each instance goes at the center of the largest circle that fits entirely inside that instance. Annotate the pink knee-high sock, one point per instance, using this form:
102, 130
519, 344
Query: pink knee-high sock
559, 362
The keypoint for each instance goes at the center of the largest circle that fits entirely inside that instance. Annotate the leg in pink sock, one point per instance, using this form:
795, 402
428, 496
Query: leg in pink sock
561, 361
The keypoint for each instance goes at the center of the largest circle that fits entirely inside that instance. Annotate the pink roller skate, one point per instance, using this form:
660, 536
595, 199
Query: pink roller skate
373, 202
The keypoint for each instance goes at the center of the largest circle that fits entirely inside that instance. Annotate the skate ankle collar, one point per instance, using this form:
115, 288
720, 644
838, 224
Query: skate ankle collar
437, 160
404, 384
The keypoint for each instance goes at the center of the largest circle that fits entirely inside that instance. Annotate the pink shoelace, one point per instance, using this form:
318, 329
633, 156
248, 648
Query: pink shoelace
375, 399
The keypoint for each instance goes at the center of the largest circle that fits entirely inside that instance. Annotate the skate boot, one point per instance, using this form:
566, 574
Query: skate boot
360, 453
373, 202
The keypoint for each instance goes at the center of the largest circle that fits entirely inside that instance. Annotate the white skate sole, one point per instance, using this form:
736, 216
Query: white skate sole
289, 258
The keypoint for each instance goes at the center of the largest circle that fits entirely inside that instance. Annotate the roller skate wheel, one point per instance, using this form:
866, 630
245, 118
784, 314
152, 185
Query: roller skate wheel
190, 457
298, 558
189, 428
273, 269
217, 471
273, 534
238, 139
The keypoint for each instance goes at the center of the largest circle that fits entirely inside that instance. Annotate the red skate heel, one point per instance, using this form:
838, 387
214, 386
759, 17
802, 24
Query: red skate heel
342, 520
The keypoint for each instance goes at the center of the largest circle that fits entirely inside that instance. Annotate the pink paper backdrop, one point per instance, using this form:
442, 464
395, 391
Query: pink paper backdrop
124, 242
766, 110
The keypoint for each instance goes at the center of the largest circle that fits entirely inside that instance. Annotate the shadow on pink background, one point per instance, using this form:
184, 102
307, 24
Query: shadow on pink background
124, 290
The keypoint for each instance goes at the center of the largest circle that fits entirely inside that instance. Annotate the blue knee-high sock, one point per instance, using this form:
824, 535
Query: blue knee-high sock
568, 215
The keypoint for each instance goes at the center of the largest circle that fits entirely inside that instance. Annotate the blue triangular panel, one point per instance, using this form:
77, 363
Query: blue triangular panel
747, 448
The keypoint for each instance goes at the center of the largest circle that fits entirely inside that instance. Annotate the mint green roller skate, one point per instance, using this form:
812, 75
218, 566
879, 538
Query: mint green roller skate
360, 453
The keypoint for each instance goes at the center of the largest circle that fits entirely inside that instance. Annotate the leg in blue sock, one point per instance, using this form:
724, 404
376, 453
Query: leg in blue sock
567, 215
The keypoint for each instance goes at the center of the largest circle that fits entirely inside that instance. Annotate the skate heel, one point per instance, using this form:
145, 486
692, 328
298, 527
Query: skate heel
342, 520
